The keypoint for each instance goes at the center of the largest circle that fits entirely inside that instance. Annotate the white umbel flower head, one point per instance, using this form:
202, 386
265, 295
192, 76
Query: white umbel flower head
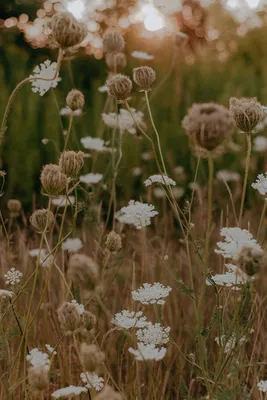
228, 176
123, 120
92, 381
151, 294
260, 144
153, 334
261, 184
235, 239
230, 343
13, 276
67, 112
162, 179
79, 307
103, 89
50, 349
91, 178
262, 386
62, 201
38, 359
137, 214
141, 55
233, 278
47, 70
45, 260
5, 293
129, 319
72, 245
96, 144
148, 352
69, 391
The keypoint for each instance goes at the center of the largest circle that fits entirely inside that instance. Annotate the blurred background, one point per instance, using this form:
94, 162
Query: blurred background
202, 51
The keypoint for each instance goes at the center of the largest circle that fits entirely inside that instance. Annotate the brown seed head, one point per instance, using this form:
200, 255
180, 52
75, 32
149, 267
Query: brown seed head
66, 30
113, 242
116, 61
42, 220
69, 317
14, 206
144, 77
53, 180
91, 357
83, 271
113, 42
38, 378
71, 163
247, 113
250, 260
108, 393
75, 100
89, 320
120, 87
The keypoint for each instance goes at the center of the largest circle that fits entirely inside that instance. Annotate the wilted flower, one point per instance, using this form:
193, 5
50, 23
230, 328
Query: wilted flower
113, 242
71, 163
75, 100
48, 77
137, 214
144, 77
148, 352
53, 180
12, 277
113, 42
38, 378
151, 294
14, 206
120, 87
250, 259
129, 319
247, 113
42, 220
70, 317
235, 239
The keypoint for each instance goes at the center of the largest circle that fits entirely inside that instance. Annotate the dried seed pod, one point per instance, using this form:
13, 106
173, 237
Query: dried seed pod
71, 163
38, 378
66, 30
116, 61
89, 320
14, 206
91, 357
113, 242
75, 100
250, 259
83, 271
108, 393
144, 77
69, 317
113, 42
120, 87
53, 180
42, 220
247, 113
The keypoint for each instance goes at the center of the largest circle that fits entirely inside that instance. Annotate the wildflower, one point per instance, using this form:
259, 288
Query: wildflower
141, 55
108, 393
235, 239
247, 113
91, 356
153, 334
261, 184
260, 144
72, 245
148, 352
70, 317
13, 276
119, 87
113, 242
137, 214
50, 349
230, 343
38, 359
116, 61
262, 386
53, 180
144, 77
137, 171
69, 391
91, 143
113, 42
14, 206
250, 259
124, 120
66, 111
5, 293
45, 260
228, 176
103, 89
129, 319
92, 381
62, 201
233, 278
71, 163
42, 220
38, 378
83, 271
151, 294
91, 178
162, 179
47, 71
75, 100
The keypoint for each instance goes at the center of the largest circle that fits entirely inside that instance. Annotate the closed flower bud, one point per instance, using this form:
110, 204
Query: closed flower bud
250, 259
66, 30
108, 393
69, 317
75, 100
247, 113
120, 87
91, 357
14, 206
53, 180
42, 220
83, 271
71, 163
113, 42
113, 242
144, 77
89, 320
38, 378
116, 61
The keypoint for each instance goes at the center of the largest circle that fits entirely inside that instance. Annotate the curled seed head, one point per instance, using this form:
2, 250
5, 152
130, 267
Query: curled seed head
75, 100
42, 220
89, 320
69, 318
250, 259
120, 87
113, 42
53, 180
113, 242
247, 113
71, 163
116, 61
66, 30
144, 77
108, 393
14, 206
83, 271
91, 357
38, 378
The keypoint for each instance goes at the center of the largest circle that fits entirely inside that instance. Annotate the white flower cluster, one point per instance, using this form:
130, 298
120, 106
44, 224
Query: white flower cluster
177, 192
45, 260
79, 307
228, 176
69, 391
162, 179
261, 184
148, 352
141, 55
47, 70
72, 245
233, 278
91, 178
129, 319
38, 359
5, 293
153, 334
63, 201
13, 276
66, 111
123, 120
234, 240
50, 349
260, 144
95, 144
92, 381
229, 343
137, 214
262, 386
151, 294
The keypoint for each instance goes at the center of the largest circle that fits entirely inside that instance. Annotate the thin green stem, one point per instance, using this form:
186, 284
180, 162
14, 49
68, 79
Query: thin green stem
245, 178
68, 133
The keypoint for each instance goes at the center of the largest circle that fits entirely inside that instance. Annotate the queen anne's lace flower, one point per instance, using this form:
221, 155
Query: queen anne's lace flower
80, 307
260, 144
50, 349
13, 276
162, 179
66, 111
91, 178
72, 245
235, 239
69, 391
141, 55
123, 120
148, 352
45, 260
5, 293
92, 381
228, 176
103, 89
151, 294
62, 201
38, 359
96, 144
261, 184
229, 343
262, 386
46, 70
129, 319
233, 278
153, 334
137, 214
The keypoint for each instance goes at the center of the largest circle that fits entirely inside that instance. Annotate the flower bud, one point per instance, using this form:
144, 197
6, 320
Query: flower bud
144, 77
116, 61
66, 30
113, 42
113, 242
14, 206
247, 113
69, 317
75, 100
42, 220
120, 87
83, 271
38, 378
91, 357
53, 180
71, 163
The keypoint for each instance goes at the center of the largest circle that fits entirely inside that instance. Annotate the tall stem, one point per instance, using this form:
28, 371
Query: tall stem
245, 179
68, 133
262, 218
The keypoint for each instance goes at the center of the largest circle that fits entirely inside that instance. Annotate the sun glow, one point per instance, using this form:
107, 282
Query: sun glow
77, 8
153, 19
